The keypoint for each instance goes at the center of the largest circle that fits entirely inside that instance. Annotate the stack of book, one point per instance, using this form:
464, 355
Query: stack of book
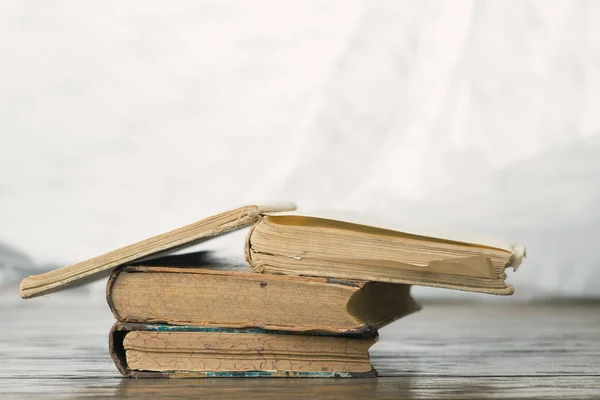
310, 304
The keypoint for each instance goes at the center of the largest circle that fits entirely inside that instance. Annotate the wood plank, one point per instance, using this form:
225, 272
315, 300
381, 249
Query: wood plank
57, 348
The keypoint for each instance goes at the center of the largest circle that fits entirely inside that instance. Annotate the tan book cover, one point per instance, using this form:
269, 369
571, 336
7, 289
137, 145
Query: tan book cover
189, 235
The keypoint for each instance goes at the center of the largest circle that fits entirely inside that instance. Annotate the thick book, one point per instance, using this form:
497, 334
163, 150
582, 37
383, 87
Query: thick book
342, 249
165, 351
241, 299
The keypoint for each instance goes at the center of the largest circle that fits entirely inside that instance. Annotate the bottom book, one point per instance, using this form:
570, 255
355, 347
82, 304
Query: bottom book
155, 351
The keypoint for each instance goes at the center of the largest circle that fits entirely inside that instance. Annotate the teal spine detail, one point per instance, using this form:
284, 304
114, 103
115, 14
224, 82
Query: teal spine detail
267, 374
262, 374
187, 328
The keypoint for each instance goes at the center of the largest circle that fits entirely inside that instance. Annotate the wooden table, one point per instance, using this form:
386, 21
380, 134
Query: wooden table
56, 347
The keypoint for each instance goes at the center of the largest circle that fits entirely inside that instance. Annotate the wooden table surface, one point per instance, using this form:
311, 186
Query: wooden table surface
56, 347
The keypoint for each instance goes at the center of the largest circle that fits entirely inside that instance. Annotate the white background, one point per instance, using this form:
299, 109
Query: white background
123, 119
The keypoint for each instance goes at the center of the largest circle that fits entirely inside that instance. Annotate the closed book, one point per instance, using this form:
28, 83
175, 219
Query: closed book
165, 351
237, 298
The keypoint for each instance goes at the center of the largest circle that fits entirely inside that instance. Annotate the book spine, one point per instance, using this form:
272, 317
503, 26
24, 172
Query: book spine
117, 352
109, 285
248, 246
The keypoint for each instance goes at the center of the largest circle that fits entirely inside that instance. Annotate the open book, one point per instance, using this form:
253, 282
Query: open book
323, 246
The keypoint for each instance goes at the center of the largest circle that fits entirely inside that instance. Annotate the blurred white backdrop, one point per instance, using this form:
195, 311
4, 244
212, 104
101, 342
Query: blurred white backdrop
120, 120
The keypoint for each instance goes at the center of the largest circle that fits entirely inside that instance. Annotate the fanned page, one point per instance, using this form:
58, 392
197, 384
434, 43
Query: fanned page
354, 248
358, 218
189, 235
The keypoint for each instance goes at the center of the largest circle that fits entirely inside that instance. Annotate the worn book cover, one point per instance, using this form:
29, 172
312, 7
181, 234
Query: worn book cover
237, 298
164, 351
164, 243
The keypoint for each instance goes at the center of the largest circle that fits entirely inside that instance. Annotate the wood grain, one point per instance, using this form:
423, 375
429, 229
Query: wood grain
57, 348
